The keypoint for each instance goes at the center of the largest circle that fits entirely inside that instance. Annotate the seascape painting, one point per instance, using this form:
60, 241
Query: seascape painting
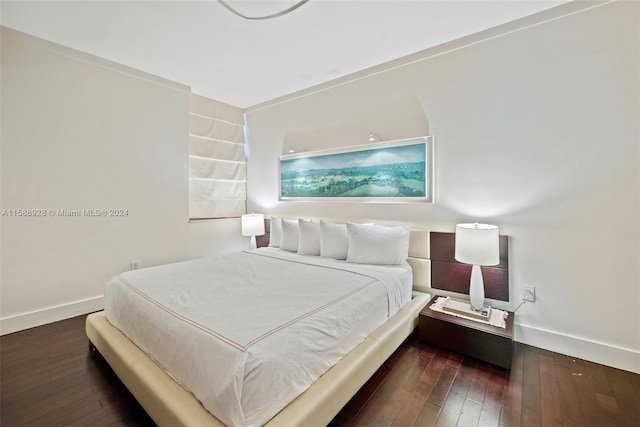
382, 171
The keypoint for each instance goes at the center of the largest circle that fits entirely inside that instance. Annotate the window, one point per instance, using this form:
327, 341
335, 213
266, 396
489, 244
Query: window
217, 162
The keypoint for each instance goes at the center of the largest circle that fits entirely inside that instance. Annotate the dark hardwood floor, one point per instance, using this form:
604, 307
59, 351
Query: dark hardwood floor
49, 377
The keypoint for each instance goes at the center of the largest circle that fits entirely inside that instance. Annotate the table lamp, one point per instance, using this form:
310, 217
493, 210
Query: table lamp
253, 225
478, 245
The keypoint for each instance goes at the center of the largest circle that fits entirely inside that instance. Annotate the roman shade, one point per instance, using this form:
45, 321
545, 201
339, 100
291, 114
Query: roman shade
217, 162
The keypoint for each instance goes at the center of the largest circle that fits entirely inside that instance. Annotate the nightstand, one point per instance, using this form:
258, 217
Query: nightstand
485, 342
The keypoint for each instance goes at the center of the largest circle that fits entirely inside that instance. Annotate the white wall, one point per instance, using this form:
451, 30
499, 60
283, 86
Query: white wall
80, 132
537, 131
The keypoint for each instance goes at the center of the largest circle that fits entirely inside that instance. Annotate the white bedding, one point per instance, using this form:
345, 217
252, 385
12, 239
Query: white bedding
248, 332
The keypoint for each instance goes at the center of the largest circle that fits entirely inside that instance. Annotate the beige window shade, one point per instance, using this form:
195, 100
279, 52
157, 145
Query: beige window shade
217, 162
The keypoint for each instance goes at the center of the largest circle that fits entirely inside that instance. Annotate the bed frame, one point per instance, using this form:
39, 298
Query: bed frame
169, 404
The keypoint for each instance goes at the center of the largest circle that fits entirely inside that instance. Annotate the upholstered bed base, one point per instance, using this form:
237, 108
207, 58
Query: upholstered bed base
169, 404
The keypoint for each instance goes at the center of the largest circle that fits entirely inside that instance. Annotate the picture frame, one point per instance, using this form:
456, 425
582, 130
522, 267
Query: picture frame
398, 171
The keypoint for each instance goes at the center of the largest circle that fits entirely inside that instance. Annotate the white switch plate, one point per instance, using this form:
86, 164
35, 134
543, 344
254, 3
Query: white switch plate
529, 293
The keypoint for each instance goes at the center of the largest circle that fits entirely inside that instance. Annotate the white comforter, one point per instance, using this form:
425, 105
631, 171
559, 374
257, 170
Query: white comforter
248, 332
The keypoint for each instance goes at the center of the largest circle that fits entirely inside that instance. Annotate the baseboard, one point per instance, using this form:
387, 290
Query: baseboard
581, 348
32, 319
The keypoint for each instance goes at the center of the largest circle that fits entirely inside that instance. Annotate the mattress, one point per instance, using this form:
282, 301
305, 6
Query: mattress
246, 333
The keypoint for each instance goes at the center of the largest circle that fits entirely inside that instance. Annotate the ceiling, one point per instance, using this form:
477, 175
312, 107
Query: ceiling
248, 62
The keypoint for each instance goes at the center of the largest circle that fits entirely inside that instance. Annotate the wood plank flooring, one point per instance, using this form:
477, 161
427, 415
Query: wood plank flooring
50, 378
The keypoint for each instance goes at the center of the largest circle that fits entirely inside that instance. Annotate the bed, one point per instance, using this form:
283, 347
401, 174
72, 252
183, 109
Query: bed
248, 390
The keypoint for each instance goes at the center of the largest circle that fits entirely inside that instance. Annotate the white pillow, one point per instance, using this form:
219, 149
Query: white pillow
290, 235
377, 244
309, 243
275, 235
333, 240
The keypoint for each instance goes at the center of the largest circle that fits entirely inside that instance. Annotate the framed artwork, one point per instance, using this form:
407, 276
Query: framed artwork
393, 171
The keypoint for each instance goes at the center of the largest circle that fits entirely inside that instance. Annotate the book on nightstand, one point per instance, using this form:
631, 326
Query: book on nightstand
464, 308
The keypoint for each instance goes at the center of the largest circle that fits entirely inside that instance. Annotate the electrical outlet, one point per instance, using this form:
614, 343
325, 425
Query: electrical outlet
135, 265
529, 293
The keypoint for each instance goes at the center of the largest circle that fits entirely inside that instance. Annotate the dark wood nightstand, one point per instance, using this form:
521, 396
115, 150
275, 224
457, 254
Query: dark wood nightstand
479, 340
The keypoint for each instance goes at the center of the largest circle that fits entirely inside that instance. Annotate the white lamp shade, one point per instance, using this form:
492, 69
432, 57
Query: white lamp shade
253, 224
477, 244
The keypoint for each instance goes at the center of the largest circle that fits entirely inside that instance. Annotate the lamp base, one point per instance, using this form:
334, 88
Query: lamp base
252, 243
476, 289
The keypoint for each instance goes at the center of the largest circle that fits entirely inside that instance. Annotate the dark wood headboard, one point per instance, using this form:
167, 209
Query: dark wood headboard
263, 241
450, 275
447, 273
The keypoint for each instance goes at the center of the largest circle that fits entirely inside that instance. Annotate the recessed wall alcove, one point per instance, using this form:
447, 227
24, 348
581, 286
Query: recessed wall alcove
350, 125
